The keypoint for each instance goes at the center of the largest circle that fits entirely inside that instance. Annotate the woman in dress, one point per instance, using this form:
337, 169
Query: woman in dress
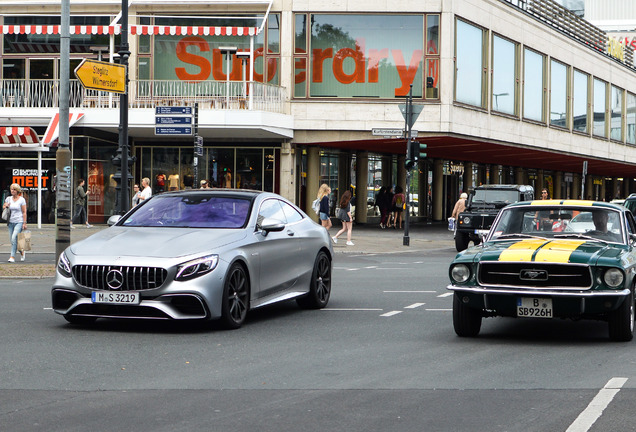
17, 221
323, 196
344, 214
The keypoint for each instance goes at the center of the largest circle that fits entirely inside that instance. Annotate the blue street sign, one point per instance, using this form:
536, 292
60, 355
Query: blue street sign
173, 130
172, 120
172, 110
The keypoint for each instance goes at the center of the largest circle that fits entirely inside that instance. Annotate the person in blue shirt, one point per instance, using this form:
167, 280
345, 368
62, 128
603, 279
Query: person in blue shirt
323, 196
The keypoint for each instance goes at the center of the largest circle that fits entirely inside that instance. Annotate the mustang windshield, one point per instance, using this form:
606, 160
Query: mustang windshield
595, 223
192, 211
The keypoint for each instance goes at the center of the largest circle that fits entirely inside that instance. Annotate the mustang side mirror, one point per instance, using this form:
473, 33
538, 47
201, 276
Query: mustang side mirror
632, 238
271, 224
482, 233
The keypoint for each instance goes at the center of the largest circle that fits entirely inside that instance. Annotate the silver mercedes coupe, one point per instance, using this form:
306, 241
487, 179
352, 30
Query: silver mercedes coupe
196, 255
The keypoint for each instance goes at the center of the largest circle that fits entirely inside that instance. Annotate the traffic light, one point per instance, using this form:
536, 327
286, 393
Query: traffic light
414, 153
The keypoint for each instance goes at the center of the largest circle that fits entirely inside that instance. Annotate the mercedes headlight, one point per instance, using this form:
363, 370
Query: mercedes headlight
460, 273
63, 265
196, 268
613, 278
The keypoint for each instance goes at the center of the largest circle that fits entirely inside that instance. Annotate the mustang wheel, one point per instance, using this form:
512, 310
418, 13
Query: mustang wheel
235, 297
80, 320
466, 320
320, 287
461, 241
621, 321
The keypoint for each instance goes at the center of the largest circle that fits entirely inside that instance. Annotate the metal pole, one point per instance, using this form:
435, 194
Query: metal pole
406, 241
63, 154
124, 53
195, 159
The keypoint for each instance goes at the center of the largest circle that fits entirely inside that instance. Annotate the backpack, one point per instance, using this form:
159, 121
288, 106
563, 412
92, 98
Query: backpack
316, 205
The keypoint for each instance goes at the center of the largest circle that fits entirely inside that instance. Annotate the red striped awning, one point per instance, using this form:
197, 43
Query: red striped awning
133, 29
53, 130
18, 137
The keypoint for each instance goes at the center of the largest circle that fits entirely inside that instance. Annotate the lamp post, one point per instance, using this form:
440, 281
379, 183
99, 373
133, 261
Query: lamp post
228, 51
244, 56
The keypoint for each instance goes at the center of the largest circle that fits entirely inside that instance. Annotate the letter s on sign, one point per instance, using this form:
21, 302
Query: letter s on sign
186, 57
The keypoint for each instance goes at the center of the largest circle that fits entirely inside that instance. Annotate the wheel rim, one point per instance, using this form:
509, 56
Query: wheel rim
323, 279
237, 295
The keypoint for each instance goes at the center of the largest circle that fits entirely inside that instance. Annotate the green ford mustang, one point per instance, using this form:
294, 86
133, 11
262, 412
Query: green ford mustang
550, 259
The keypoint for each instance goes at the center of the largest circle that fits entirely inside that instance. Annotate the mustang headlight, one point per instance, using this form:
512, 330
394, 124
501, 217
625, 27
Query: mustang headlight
460, 273
613, 278
63, 266
196, 268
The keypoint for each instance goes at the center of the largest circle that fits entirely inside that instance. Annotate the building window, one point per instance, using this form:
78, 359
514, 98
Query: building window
504, 76
533, 86
616, 114
600, 108
469, 64
631, 118
432, 57
580, 102
558, 94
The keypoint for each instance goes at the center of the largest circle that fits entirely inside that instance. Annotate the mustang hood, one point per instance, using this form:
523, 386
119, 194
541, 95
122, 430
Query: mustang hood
155, 242
542, 250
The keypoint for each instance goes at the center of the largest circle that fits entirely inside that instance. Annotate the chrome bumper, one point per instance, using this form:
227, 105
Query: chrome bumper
539, 292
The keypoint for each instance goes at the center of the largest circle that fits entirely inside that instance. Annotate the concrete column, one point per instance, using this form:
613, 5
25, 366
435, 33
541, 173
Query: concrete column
558, 184
438, 189
628, 186
540, 184
362, 178
604, 188
313, 180
401, 172
344, 178
589, 187
576, 186
519, 176
468, 176
287, 179
423, 191
386, 170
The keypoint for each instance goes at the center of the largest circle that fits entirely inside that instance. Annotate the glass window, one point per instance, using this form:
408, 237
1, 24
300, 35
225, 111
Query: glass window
504, 75
432, 56
469, 64
580, 102
300, 46
291, 213
143, 41
271, 208
631, 118
300, 77
533, 85
432, 34
249, 168
558, 94
616, 117
365, 55
600, 107
273, 33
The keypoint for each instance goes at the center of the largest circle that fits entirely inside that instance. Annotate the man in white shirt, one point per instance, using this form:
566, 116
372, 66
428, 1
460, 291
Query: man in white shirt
147, 191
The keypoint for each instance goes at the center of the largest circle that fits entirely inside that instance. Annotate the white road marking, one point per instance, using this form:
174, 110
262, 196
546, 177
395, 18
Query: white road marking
595, 409
47, 308
414, 305
445, 294
409, 291
438, 310
388, 314
351, 309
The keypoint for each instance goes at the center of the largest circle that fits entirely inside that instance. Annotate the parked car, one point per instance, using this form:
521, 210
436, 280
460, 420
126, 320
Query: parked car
196, 255
531, 269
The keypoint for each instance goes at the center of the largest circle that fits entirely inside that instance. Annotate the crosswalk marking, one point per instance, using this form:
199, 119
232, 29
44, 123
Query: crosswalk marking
414, 305
388, 314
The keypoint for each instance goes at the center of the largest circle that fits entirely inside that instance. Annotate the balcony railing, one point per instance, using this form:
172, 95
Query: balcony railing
21, 93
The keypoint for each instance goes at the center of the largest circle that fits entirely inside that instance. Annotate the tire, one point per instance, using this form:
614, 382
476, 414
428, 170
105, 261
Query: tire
235, 302
461, 241
466, 320
320, 285
80, 320
621, 321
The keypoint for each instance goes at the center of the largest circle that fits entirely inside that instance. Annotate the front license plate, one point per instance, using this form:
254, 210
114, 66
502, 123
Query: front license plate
534, 307
115, 297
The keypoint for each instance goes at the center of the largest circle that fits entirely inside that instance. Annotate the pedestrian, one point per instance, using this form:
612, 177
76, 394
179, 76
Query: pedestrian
389, 199
460, 205
398, 206
135, 197
146, 192
323, 195
17, 219
205, 184
382, 201
344, 214
79, 216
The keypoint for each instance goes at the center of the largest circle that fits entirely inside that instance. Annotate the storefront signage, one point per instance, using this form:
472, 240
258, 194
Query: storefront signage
615, 49
102, 76
456, 168
28, 178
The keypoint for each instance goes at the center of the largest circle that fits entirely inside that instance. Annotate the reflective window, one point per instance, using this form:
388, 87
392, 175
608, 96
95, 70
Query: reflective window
558, 94
600, 107
533, 79
432, 56
469, 64
504, 75
271, 209
616, 114
580, 102
291, 213
631, 118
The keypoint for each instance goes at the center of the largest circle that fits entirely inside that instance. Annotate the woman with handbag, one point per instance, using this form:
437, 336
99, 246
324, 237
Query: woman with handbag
17, 218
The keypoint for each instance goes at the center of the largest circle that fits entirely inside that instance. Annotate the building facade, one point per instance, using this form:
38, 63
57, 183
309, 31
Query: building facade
288, 95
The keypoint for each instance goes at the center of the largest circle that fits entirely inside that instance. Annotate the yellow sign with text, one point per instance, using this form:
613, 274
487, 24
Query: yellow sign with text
102, 76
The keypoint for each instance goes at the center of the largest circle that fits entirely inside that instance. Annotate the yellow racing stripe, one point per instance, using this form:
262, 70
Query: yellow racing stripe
521, 251
558, 251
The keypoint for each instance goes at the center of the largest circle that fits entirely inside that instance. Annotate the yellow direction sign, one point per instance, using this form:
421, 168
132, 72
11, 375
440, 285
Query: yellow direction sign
103, 76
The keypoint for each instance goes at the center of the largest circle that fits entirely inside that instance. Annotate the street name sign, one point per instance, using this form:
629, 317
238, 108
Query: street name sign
385, 132
104, 76
173, 130
163, 120
173, 110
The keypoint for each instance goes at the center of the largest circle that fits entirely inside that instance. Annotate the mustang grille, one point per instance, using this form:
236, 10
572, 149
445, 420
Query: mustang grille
122, 278
536, 275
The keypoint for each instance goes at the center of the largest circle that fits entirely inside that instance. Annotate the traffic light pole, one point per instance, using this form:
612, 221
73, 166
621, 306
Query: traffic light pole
406, 240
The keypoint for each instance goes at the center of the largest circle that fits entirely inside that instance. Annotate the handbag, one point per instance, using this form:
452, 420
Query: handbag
6, 214
24, 241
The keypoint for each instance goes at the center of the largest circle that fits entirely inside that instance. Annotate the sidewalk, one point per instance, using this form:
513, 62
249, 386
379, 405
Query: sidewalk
367, 239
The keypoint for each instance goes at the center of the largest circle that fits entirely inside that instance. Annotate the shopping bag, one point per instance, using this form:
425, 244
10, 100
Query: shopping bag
6, 214
451, 224
24, 241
